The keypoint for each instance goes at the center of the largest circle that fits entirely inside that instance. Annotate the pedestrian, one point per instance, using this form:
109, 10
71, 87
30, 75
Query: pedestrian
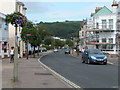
83, 49
12, 54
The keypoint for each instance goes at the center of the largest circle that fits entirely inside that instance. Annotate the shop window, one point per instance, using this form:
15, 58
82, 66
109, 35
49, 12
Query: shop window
5, 47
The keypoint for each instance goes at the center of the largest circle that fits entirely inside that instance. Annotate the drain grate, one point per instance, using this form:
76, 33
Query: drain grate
43, 74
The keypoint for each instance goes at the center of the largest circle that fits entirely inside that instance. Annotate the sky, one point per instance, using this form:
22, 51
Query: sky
62, 10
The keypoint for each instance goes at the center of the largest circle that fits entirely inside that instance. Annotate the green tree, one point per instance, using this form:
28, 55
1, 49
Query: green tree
69, 43
48, 41
59, 43
66, 29
43, 31
34, 37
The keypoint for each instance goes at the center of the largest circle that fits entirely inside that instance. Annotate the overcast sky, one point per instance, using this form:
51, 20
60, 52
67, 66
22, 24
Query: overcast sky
61, 10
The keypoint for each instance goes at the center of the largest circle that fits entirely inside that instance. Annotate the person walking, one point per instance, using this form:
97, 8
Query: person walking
12, 54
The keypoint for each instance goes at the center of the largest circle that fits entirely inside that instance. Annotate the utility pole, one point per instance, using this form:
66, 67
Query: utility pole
15, 69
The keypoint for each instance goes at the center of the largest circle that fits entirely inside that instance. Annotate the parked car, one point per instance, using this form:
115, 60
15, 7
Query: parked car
67, 51
94, 56
43, 49
55, 50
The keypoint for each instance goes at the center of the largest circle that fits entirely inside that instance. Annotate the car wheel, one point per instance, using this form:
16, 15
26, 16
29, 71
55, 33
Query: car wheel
88, 61
82, 60
105, 63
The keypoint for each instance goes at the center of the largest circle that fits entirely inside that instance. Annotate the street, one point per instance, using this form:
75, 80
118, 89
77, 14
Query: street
84, 75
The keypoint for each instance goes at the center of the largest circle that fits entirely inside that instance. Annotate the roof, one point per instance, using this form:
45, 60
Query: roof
103, 11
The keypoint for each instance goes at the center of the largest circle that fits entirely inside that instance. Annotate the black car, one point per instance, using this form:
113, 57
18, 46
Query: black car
67, 51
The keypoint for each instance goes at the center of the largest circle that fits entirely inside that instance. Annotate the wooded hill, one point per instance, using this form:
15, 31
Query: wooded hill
65, 29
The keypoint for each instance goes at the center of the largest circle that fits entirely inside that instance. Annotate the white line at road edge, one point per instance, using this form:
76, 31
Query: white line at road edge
109, 62
60, 76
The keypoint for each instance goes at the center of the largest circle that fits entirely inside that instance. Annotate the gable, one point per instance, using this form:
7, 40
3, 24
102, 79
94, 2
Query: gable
103, 11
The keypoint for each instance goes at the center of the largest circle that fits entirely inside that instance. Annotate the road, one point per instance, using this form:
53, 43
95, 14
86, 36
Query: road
84, 75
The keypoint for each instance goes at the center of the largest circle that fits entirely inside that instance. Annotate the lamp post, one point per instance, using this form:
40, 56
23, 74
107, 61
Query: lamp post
15, 69
18, 20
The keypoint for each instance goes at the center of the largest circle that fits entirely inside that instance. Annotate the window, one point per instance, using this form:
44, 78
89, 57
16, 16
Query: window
97, 25
103, 39
110, 23
5, 26
118, 25
104, 24
82, 33
0, 25
5, 47
110, 46
110, 40
104, 46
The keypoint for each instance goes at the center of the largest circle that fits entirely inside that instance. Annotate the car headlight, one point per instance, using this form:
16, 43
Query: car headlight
93, 57
105, 57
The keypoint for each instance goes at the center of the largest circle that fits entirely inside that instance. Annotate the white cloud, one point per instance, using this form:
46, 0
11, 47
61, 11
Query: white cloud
65, 14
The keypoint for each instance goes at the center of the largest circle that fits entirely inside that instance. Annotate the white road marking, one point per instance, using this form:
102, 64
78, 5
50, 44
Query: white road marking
60, 76
109, 62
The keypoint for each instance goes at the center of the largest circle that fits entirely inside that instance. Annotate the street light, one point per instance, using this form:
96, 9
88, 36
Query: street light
15, 69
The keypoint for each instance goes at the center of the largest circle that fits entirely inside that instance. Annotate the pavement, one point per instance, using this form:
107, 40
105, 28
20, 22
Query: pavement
31, 74
7, 73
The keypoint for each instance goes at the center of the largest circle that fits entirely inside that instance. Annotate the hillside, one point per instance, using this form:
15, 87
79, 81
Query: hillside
63, 29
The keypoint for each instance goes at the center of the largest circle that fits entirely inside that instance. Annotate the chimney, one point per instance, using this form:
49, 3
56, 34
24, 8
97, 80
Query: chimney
97, 9
114, 6
92, 14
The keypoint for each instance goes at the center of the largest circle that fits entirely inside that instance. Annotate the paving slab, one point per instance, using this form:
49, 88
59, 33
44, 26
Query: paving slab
33, 75
7, 74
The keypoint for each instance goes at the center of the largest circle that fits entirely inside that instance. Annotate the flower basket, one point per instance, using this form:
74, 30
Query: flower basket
16, 19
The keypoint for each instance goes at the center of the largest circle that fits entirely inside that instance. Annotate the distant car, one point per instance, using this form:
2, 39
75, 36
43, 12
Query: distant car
43, 49
55, 50
67, 51
94, 56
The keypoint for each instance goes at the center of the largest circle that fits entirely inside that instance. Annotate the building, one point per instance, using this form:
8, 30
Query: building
8, 7
118, 28
99, 31
3, 37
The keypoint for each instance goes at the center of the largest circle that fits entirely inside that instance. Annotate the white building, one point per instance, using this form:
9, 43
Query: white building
8, 7
3, 37
100, 30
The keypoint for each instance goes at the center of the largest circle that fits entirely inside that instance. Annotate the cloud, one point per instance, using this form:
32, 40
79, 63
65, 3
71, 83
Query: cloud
37, 7
64, 14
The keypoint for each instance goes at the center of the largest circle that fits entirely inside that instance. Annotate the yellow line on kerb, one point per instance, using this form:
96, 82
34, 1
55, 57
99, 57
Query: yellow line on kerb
60, 76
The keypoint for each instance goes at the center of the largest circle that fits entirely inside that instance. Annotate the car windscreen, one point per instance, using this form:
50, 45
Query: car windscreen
95, 52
